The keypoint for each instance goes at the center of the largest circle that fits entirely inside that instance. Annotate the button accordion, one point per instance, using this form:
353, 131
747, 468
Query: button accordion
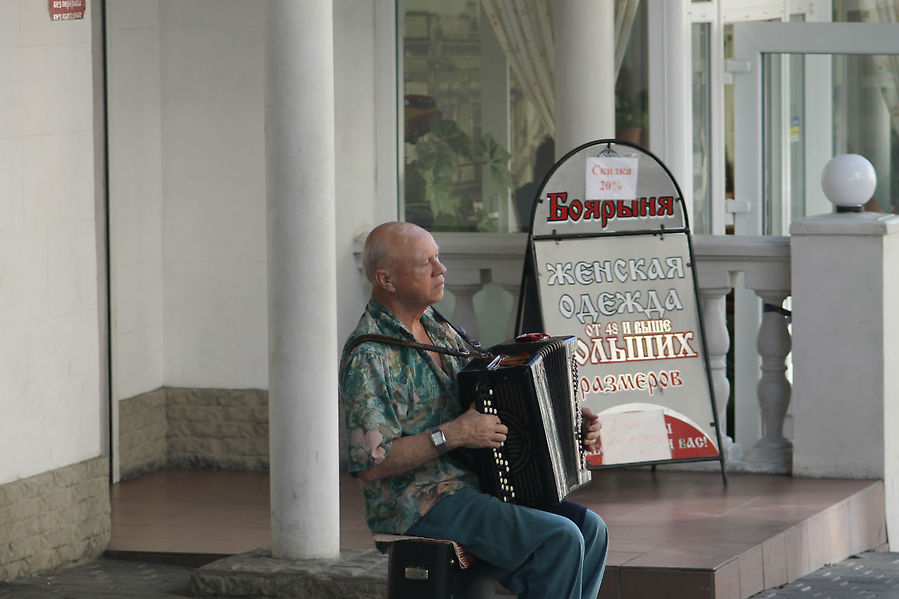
531, 384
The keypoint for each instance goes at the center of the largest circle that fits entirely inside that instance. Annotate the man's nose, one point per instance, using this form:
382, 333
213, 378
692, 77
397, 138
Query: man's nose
440, 268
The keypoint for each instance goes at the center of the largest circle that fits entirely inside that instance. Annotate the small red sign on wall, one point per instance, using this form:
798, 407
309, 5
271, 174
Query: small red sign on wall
67, 10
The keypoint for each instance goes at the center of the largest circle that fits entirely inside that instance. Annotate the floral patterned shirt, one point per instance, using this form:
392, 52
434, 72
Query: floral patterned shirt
389, 391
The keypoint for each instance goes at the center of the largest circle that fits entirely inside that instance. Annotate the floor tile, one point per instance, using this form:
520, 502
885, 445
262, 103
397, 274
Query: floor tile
669, 530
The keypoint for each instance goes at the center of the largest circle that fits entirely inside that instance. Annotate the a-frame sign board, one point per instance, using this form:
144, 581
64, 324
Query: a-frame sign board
610, 260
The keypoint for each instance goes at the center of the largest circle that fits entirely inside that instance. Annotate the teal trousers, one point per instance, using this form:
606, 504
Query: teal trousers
535, 554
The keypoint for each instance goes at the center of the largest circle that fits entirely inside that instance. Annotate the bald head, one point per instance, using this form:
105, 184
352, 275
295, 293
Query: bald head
386, 246
401, 262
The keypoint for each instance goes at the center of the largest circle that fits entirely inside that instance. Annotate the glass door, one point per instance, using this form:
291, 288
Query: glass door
809, 91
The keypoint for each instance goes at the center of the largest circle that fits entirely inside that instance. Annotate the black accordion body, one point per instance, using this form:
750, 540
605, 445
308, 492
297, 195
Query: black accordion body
532, 386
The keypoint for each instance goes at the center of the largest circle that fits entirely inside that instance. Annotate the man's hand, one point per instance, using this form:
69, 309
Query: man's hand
590, 428
474, 429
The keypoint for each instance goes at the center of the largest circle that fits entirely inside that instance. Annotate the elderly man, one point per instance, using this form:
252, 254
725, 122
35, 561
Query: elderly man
404, 417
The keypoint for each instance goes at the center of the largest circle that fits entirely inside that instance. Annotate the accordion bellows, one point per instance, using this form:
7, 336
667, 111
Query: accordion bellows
532, 387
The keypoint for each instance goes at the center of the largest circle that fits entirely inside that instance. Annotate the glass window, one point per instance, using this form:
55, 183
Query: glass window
700, 222
632, 84
728, 127
475, 146
456, 172
864, 122
866, 105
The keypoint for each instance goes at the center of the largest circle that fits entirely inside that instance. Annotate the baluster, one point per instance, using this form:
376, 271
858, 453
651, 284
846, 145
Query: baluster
774, 389
512, 289
464, 312
714, 316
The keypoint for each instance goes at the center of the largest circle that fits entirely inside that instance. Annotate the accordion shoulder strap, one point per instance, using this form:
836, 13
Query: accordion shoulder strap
472, 343
475, 350
406, 343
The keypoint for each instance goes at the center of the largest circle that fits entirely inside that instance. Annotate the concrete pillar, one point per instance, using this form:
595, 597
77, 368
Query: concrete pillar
299, 123
584, 72
671, 91
845, 350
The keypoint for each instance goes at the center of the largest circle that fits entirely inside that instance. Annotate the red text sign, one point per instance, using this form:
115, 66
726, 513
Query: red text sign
67, 10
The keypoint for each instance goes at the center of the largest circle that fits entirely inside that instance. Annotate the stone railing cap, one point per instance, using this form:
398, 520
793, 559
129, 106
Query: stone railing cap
847, 223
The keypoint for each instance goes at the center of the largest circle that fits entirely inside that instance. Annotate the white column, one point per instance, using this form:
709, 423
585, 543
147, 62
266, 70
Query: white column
299, 122
671, 92
584, 72
845, 351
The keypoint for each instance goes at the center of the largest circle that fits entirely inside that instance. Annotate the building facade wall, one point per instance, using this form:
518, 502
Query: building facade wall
178, 427
52, 413
366, 130
135, 196
187, 197
134, 130
143, 433
54, 518
213, 215
217, 428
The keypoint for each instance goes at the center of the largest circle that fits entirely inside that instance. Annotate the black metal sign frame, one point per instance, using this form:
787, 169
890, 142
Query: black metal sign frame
590, 264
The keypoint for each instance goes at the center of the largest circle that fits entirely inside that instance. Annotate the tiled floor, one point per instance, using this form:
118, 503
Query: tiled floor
669, 529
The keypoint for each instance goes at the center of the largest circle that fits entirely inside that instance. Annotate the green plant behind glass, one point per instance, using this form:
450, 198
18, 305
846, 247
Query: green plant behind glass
434, 199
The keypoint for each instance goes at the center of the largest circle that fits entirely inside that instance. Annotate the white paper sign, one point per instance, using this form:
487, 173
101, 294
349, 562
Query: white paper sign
634, 437
610, 178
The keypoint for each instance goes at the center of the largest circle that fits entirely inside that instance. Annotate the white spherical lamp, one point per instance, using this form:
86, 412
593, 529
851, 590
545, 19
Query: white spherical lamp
848, 180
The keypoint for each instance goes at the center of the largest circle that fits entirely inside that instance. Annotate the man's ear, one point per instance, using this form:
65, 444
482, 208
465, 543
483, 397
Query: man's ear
384, 280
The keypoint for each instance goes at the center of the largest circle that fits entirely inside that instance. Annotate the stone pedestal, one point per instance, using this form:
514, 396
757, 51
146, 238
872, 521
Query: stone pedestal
355, 574
845, 350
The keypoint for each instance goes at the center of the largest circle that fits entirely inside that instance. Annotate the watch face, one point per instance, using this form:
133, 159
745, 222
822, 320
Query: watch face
437, 438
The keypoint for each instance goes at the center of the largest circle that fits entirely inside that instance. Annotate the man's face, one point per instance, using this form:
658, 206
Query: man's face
418, 273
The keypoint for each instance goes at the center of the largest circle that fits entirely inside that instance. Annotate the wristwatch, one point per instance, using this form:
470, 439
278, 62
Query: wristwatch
438, 440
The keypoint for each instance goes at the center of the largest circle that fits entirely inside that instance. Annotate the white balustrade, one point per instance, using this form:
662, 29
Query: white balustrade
474, 260
762, 264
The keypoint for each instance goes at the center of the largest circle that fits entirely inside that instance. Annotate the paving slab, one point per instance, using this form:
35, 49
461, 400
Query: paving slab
869, 575
103, 578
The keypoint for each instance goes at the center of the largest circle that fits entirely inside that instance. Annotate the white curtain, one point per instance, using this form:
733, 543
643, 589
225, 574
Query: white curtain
884, 11
524, 29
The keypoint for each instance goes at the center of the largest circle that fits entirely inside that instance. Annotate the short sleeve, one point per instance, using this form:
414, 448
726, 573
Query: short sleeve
371, 421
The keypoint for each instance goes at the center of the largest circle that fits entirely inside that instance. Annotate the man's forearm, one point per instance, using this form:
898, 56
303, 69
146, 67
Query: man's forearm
471, 429
406, 453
